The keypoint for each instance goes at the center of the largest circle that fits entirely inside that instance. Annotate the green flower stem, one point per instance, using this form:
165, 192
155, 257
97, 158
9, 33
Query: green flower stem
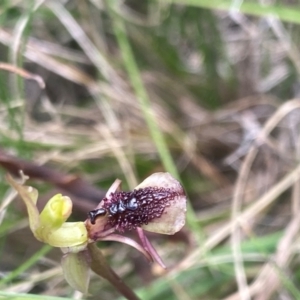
26, 265
145, 103
102, 268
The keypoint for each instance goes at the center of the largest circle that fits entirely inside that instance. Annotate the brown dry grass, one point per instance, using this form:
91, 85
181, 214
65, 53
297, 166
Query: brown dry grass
238, 161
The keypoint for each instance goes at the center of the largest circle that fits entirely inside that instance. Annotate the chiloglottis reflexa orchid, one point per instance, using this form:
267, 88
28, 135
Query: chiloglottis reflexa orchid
158, 205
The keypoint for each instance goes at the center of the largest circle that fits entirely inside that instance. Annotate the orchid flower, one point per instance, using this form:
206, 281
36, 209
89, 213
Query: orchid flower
158, 205
50, 227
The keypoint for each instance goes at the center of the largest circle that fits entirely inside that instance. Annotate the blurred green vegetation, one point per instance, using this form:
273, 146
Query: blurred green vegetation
135, 87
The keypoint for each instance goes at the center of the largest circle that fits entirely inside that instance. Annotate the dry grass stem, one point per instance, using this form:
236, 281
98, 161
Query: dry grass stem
81, 84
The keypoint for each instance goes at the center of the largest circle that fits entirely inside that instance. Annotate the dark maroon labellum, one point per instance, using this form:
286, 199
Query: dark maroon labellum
129, 210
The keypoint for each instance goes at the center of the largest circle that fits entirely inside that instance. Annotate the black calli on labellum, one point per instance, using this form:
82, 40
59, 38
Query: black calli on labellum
129, 210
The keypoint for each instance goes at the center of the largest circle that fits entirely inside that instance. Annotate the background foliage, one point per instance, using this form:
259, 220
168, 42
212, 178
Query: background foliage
201, 89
